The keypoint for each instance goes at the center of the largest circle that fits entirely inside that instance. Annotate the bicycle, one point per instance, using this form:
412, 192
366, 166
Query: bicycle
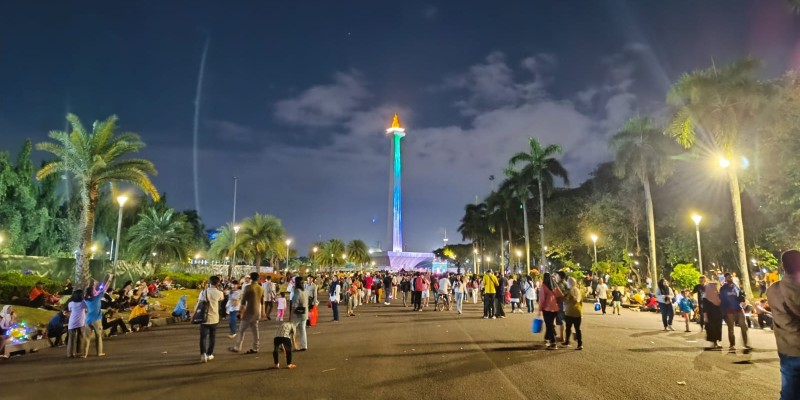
442, 302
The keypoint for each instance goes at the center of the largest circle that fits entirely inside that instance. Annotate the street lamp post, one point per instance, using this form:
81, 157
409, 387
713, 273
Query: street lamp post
288, 243
697, 218
121, 200
475, 261
344, 261
233, 258
519, 259
594, 243
314, 259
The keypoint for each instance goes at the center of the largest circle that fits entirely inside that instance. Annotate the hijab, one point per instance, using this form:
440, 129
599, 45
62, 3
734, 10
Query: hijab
712, 292
181, 306
5, 317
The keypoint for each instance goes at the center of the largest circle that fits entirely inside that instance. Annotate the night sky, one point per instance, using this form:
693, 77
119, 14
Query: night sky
297, 95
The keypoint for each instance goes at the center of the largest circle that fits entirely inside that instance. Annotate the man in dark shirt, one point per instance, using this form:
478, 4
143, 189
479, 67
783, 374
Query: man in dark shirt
700, 291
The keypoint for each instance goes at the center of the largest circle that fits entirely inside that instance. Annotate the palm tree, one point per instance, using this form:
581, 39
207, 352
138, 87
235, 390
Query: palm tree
331, 253
475, 224
641, 152
539, 165
314, 254
223, 246
160, 236
263, 234
520, 187
717, 105
358, 252
94, 159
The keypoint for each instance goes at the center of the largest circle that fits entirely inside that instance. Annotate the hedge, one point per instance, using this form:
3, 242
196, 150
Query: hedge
15, 284
188, 281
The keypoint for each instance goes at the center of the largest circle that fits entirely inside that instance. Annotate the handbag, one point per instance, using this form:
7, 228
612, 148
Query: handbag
299, 310
201, 311
597, 305
536, 327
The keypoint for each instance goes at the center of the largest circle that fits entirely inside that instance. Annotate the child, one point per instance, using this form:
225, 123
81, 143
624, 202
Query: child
77, 319
281, 306
686, 307
285, 336
616, 301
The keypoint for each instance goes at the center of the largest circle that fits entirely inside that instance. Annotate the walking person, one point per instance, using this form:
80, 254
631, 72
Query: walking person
490, 284
416, 296
516, 295
405, 287
334, 292
616, 301
573, 313
249, 313
686, 306
784, 300
284, 339
713, 314
529, 290
700, 290
731, 304
208, 329
352, 296
500, 296
458, 290
94, 322
232, 307
548, 306
389, 289
395, 283
269, 298
77, 319
665, 297
300, 313
601, 293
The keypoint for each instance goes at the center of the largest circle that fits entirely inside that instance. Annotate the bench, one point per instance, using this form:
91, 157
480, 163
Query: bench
28, 346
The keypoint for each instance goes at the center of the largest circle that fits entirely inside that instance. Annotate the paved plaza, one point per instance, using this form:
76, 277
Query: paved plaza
391, 352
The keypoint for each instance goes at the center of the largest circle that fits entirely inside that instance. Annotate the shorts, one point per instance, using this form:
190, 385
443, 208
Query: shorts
425, 294
616, 304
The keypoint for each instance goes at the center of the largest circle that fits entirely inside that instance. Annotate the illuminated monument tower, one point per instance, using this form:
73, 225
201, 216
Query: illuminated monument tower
398, 258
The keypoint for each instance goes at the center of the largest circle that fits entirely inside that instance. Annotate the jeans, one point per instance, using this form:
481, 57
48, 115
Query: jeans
405, 298
232, 317
459, 301
488, 305
576, 322
300, 326
243, 326
287, 348
335, 308
604, 302
499, 301
549, 326
529, 303
208, 337
790, 377
667, 313
731, 320
97, 328
416, 298
72, 342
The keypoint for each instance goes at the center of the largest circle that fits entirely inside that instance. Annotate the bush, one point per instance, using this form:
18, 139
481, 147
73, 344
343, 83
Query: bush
15, 284
684, 276
189, 281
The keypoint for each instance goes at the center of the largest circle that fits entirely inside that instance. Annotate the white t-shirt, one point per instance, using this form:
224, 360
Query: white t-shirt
602, 291
444, 285
233, 301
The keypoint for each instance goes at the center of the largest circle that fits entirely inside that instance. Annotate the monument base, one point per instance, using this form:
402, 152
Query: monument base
403, 260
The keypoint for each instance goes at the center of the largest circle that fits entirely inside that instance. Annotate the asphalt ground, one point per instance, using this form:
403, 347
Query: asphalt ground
391, 352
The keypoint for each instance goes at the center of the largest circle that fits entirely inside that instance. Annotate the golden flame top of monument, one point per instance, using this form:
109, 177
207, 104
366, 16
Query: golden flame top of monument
396, 121
396, 128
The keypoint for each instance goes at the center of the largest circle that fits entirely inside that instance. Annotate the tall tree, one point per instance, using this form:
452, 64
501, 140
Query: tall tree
20, 213
261, 233
331, 254
95, 158
641, 152
358, 252
716, 106
160, 236
539, 165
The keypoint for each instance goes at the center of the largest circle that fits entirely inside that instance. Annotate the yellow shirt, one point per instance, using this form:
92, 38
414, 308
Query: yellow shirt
137, 311
490, 284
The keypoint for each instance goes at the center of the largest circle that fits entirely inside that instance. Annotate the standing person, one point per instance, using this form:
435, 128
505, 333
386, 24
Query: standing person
616, 301
490, 284
249, 312
93, 322
233, 308
300, 313
500, 296
334, 292
281, 306
458, 289
560, 278
732, 298
699, 290
389, 289
713, 314
426, 288
405, 287
269, 298
416, 295
284, 338
686, 306
784, 300
77, 319
395, 283
665, 297
573, 312
529, 291
352, 295
548, 306
601, 293
475, 289
368, 281
516, 295
208, 329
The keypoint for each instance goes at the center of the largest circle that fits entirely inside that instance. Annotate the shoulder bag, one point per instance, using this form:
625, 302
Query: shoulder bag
201, 311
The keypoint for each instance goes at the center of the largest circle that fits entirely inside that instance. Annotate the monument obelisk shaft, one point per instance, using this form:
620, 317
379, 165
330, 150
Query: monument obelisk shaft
397, 132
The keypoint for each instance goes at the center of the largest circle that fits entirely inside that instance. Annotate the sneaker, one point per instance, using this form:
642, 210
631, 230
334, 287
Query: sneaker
494, 317
502, 316
580, 347
671, 328
203, 358
233, 335
485, 317
210, 357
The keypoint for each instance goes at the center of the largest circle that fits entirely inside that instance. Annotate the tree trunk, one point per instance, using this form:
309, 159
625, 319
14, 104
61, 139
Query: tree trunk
541, 226
736, 198
82, 272
527, 235
258, 262
651, 233
502, 253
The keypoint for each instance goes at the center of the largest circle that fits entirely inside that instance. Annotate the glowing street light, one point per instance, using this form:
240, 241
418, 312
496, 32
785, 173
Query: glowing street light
724, 162
519, 258
594, 243
697, 218
288, 243
236, 229
121, 200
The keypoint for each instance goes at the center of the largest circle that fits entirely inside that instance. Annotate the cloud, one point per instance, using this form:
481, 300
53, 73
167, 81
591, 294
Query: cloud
324, 105
228, 131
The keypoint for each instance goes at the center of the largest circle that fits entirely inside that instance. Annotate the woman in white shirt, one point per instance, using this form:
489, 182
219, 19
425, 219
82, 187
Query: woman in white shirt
529, 290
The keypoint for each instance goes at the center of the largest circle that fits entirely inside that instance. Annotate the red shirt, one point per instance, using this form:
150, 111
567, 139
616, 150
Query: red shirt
35, 292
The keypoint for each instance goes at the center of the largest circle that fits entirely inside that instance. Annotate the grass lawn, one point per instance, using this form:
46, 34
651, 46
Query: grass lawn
33, 316
171, 298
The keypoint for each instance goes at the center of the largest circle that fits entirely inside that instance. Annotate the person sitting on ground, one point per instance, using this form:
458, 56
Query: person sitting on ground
124, 296
764, 315
637, 298
57, 328
166, 284
139, 318
152, 289
111, 320
7, 319
67, 290
181, 309
652, 304
40, 298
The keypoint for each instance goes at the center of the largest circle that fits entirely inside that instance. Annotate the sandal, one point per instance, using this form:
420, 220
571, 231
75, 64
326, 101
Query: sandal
251, 351
233, 350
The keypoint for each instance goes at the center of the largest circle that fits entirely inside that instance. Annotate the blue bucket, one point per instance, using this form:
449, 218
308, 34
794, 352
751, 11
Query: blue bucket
537, 325
597, 306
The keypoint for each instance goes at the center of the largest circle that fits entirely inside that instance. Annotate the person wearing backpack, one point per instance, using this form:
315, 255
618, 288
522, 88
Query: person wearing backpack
784, 300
